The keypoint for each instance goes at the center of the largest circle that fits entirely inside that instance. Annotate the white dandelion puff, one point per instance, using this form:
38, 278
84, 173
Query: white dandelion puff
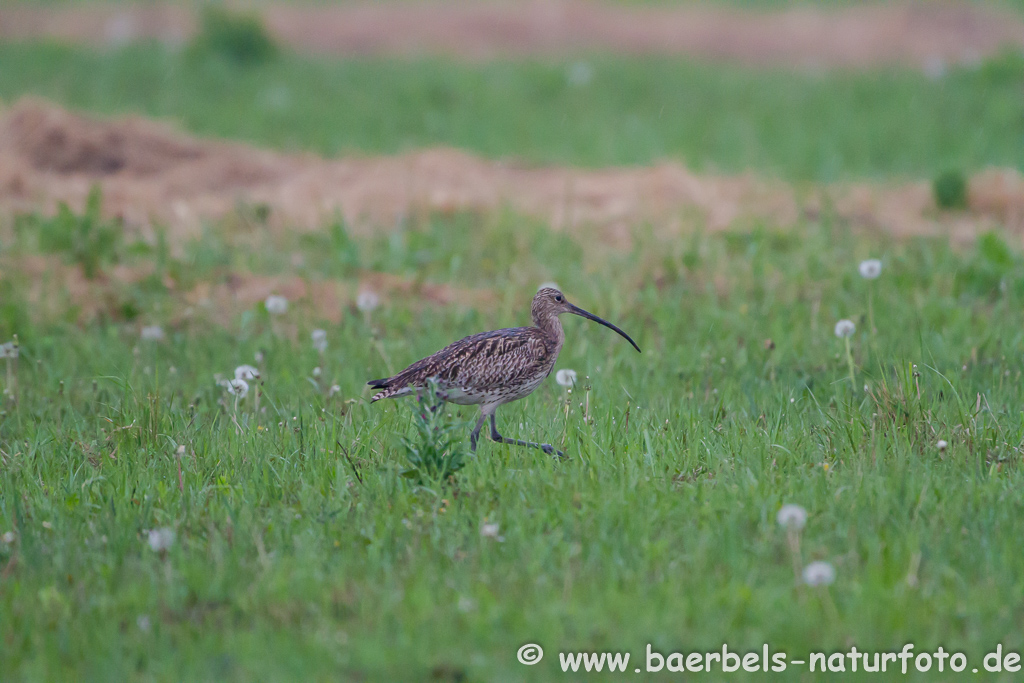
152, 333
319, 340
247, 372
566, 378
8, 537
9, 349
845, 328
367, 301
870, 269
580, 74
489, 529
160, 540
934, 67
237, 387
335, 389
942, 445
317, 371
819, 574
276, 304
791, 516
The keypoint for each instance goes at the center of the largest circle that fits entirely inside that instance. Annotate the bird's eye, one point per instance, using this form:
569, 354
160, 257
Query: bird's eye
558, 298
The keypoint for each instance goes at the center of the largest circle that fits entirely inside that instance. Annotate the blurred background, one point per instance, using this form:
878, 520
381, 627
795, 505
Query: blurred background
608, 113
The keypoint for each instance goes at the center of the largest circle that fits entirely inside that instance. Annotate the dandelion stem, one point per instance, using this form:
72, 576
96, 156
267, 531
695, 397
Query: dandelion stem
871, 307
234, 415
830, 606
849, 362
793, 537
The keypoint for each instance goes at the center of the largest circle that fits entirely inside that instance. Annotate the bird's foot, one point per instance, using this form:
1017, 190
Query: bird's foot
550, 450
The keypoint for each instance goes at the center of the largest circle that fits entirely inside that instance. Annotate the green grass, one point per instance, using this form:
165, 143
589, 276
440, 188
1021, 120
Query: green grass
288, 565
633, 111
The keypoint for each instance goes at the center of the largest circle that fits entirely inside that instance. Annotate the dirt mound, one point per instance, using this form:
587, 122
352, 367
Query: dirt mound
927, 34
152, 174
51, 139
147, 171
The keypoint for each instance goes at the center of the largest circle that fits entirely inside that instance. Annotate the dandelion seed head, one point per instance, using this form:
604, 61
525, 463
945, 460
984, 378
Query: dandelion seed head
367, 301
566, 378
8, 537
160, 540
870, 269
9, 349
934, 67
247, 372
152, 333
942, 445
819, 574
845, 328
489, 529
792, 516
276, 304
317, 371
319, 340
580, 74
237, 387
335, 389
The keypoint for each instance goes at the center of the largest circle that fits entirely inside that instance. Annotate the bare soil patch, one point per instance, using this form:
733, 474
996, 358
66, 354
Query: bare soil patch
151, 174
58, 287
927, 34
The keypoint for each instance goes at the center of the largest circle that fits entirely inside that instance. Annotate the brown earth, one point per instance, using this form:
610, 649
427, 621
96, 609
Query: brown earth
150, 174
57, 287
929, 34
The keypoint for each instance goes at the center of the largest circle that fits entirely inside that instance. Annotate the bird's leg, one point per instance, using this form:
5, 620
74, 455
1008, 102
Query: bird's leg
474, 437
546, 447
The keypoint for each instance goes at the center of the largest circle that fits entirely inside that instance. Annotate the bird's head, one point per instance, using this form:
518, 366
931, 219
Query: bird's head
548, 302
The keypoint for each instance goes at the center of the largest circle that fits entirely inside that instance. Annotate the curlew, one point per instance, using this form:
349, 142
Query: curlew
491, 369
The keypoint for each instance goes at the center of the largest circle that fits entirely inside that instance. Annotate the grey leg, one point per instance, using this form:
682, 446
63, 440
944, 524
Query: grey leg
495, 436
474, 437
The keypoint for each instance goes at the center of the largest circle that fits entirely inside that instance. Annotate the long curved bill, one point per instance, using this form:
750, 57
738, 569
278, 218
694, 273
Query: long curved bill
590, 316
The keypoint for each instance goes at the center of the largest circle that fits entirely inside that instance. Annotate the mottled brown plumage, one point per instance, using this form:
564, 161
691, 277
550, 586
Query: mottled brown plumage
493, 368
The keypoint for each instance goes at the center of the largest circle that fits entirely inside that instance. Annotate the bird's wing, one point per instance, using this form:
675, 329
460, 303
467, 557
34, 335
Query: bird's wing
480, 360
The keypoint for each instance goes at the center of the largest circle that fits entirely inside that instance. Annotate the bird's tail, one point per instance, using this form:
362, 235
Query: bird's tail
389, 387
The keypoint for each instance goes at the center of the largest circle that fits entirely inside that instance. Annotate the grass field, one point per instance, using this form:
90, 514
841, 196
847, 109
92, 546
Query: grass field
291, 562
153, 528
630, 111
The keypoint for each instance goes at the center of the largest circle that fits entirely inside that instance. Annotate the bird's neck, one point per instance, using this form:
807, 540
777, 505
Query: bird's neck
551, 326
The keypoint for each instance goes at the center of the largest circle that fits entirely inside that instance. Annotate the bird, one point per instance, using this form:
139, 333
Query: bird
491, 369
